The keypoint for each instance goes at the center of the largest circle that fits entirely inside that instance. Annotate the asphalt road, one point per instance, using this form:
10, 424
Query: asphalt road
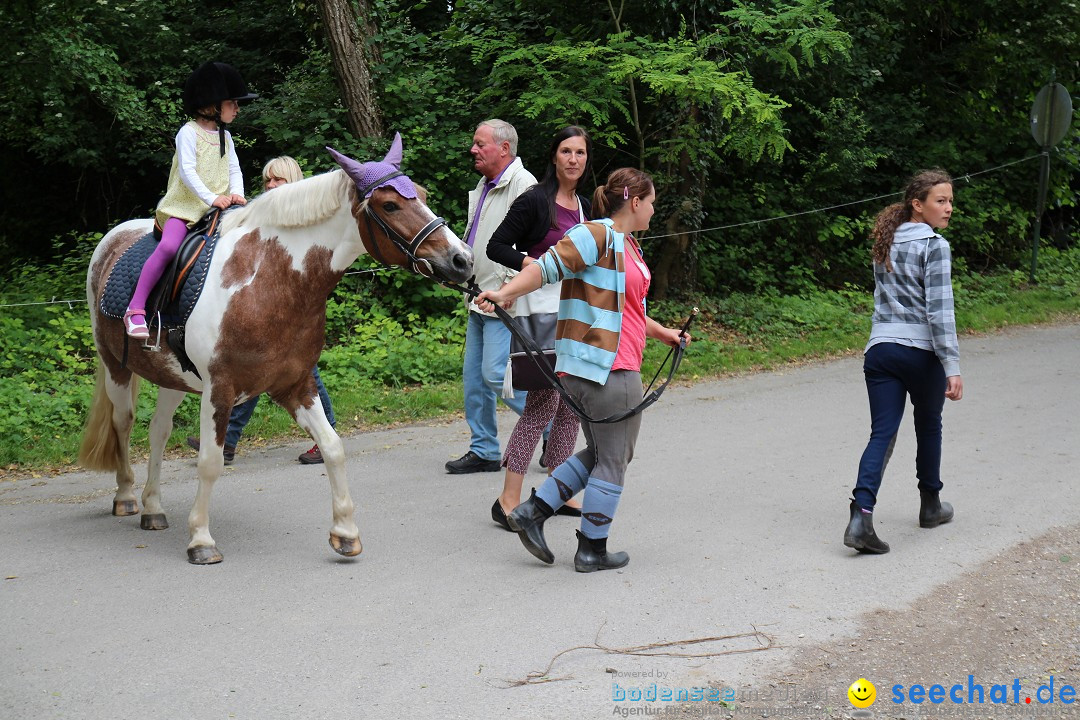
733, 516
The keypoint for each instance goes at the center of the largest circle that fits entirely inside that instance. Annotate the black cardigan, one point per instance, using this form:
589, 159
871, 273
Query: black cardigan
525, 224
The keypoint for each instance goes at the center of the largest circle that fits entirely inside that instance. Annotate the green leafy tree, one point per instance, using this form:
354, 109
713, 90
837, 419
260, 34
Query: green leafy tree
683, 99
947, 85
743, 111
91, 102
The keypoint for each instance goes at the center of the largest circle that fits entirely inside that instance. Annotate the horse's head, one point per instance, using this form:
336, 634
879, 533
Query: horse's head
397, 227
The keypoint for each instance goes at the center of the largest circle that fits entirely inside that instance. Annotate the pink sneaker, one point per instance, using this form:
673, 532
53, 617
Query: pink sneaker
135, 324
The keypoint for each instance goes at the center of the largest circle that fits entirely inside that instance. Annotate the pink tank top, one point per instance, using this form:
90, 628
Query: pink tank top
632, 337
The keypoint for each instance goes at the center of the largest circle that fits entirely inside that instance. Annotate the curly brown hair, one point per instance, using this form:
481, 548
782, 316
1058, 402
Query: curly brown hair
886, 222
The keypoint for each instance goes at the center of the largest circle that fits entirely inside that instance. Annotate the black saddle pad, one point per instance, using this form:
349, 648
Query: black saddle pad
179, 287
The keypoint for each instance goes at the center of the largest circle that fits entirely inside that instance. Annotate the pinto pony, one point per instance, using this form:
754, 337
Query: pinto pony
258, 326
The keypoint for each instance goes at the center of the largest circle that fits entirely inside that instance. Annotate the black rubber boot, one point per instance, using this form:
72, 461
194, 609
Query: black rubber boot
860, 533
592, 555
527, 520
933, 512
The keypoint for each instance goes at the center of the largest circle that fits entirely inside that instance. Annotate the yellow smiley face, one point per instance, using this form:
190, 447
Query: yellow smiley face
862, 693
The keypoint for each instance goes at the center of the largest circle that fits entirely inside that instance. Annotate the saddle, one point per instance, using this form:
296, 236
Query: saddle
174, 296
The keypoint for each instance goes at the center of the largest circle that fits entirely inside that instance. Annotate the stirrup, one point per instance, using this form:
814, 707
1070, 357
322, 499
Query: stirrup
138, 331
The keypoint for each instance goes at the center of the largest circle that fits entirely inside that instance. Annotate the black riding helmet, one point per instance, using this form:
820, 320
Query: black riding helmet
211, 84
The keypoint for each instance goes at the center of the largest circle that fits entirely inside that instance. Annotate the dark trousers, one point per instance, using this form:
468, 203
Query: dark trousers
894, 372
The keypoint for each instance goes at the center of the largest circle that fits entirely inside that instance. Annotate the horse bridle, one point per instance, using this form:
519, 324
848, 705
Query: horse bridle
408, 248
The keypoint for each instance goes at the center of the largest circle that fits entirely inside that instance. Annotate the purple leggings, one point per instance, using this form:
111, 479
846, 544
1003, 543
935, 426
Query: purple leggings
540, 407
171, 236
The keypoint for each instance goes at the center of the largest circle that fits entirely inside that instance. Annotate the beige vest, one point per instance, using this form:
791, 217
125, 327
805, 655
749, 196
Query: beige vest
212, 168
489, 274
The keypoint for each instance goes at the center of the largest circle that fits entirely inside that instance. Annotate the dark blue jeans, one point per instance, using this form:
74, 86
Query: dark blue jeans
894, 372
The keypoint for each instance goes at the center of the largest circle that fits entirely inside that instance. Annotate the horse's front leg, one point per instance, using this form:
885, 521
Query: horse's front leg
153, 517
202, 550
344, 535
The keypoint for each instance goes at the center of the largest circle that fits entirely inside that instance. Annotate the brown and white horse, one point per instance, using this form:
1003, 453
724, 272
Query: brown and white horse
258, 327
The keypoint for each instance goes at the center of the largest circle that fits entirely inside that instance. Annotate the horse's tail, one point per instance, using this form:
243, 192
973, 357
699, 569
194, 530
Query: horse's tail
100, 449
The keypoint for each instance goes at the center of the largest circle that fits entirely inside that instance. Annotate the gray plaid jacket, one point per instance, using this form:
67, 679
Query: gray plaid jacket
913, 304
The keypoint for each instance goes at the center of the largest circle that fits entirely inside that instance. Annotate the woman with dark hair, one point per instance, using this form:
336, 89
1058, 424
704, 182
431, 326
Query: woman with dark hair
912, 350
600, 339
535, 222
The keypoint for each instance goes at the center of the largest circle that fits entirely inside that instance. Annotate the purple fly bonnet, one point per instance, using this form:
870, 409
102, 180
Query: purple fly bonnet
372, 175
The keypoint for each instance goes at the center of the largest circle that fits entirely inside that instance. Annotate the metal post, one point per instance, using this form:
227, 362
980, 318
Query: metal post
1047, 129
1040, 205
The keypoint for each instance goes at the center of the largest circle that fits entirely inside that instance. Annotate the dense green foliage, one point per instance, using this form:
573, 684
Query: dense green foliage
743, 111
948, 86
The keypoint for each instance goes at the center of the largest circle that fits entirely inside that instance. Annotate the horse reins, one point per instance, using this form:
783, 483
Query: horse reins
650, 396
408, 248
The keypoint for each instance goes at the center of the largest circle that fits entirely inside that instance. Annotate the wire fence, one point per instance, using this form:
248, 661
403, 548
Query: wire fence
964, 177
82, 301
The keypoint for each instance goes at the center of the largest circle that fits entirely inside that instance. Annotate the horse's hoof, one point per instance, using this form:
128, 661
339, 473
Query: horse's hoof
204, 555
154, 521
123, 508
349, 547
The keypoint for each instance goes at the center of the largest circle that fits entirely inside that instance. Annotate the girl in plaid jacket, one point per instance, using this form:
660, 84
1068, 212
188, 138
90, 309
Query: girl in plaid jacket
912, 350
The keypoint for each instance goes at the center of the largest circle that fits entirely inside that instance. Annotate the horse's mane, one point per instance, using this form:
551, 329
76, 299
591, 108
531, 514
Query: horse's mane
297, 204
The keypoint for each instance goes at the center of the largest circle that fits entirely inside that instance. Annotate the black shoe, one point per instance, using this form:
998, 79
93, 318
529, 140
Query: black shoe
860, 533
228, 452
470, 462
543, 454
933, 512
499, 516
592, 555
527, 520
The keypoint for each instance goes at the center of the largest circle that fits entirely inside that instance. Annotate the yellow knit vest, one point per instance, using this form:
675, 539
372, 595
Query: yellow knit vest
212, 168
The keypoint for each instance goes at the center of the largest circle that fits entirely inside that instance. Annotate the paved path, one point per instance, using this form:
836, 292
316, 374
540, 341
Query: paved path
733, 518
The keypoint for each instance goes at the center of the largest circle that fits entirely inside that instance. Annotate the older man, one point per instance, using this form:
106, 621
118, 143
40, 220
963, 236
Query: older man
487, 341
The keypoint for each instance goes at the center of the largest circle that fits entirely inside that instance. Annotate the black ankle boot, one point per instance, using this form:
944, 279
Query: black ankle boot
860, 533
933, 512
527, 520
592, 555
